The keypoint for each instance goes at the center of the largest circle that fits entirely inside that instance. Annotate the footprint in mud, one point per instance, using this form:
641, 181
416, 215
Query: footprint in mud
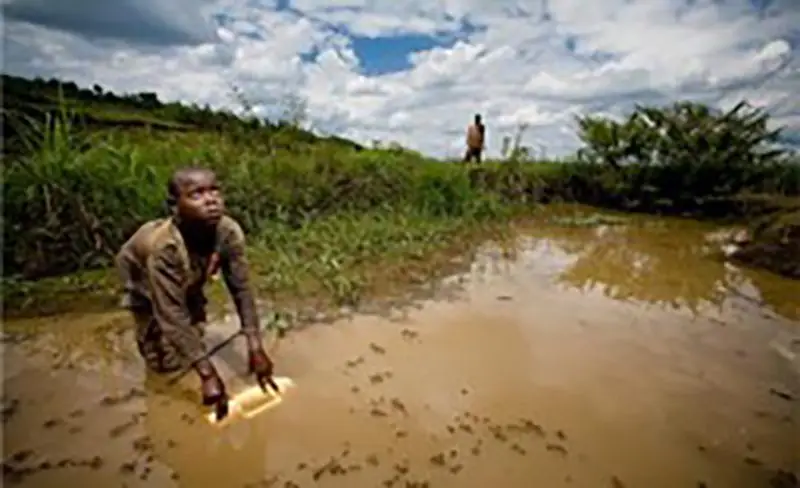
372, 460
378, 412
558, 449
133, 393
512, 434
381, 408
14, 473
352, 363
616, 482
376, 348
9, 409
448, 461
401, 470
476, 449
76, 414
518, 449
782, 393
143, 445
398, 405
121, 429
504, 298
379, 378
409, 334
53, 423
332, 467
753, 461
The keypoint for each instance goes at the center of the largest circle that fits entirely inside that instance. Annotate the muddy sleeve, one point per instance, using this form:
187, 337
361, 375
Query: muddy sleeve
168, 295
236, 272
124, 266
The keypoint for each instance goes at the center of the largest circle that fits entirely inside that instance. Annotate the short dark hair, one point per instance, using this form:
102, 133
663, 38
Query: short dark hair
178, 178
477, 117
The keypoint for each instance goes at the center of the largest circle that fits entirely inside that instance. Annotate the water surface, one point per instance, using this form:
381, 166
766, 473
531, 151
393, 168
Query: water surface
618, 355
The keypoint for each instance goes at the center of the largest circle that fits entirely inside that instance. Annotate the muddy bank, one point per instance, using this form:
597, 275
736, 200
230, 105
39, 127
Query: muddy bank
773, 243
625, 355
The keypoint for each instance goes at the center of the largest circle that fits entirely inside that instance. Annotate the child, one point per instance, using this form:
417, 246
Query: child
164, 266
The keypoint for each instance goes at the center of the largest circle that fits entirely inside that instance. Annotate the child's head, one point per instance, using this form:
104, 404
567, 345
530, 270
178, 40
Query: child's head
194, 195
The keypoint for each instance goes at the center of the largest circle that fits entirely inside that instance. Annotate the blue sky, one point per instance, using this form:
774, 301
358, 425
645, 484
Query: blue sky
415, 72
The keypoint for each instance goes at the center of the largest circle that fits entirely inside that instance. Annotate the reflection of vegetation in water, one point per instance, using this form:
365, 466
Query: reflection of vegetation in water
665, 262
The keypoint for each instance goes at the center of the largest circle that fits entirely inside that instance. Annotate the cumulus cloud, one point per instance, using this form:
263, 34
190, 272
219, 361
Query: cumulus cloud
534, 63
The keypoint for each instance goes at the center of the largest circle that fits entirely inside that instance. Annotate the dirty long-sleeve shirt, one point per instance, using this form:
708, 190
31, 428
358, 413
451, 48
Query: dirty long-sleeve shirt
162, 277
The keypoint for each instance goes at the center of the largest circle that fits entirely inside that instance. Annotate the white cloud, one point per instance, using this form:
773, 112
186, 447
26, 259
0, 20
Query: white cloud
540, 68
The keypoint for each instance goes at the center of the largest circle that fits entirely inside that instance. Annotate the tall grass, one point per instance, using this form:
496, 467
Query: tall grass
74, 197
71, 202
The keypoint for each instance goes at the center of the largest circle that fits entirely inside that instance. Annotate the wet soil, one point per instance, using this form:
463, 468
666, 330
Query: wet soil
625, 355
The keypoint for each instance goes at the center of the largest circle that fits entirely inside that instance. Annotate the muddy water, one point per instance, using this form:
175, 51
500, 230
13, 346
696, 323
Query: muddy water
620, 356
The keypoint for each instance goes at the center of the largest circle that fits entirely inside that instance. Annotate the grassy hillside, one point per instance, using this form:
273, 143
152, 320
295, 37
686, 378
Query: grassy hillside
97, 109
327, 217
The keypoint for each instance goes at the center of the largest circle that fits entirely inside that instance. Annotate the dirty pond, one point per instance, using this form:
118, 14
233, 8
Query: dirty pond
626, 355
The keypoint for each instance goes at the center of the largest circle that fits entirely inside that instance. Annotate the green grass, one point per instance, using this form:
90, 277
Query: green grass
328, 222
331, 262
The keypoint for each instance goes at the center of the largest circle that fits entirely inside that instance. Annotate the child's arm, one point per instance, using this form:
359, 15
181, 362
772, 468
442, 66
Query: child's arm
236, 273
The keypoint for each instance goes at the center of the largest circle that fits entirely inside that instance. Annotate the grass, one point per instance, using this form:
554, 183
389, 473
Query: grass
329, 223
328, 263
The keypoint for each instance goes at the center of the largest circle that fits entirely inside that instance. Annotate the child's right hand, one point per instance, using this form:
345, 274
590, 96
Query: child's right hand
213, 392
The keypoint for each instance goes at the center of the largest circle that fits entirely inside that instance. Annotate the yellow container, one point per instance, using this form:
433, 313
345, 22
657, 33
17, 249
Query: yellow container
252, 401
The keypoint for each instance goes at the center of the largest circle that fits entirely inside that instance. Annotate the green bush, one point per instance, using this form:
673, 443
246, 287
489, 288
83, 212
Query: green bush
689, 150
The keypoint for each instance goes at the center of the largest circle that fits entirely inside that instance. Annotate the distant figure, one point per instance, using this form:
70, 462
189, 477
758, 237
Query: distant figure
476, 135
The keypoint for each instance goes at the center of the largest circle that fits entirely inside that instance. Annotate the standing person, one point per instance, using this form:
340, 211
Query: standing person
476, 137
164, 267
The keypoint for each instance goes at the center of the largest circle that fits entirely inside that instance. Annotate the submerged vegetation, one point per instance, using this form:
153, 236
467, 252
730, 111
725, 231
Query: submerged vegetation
83, 168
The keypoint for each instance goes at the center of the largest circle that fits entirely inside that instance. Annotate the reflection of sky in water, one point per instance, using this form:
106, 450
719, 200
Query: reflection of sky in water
676, 265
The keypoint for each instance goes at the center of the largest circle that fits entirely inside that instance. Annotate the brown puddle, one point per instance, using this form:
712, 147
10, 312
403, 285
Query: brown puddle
609, 356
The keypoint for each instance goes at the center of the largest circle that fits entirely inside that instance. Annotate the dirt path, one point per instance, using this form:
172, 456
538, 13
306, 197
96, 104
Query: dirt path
531, 377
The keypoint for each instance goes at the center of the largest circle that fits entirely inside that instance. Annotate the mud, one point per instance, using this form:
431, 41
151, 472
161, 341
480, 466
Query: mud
620, 356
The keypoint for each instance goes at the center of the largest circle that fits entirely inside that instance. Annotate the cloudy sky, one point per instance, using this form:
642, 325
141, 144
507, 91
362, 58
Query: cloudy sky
416, 71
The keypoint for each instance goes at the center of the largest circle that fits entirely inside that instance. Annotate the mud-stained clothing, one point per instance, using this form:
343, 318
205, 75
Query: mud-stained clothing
476, 134
163, 281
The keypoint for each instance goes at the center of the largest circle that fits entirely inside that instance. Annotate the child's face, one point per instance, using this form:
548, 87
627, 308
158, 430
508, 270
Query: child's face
200, 198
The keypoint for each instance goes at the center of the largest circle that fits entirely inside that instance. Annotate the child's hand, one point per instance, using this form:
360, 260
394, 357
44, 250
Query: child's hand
261, 365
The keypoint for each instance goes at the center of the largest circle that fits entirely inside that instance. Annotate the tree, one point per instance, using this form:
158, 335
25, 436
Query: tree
695, 148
